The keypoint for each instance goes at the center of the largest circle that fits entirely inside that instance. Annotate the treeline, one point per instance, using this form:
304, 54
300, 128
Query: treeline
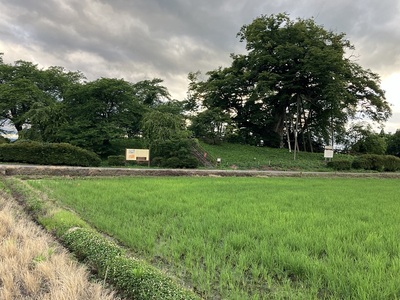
105, 116
295, 87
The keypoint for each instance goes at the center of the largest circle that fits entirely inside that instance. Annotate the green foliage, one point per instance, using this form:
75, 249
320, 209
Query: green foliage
29, 94
47, 154
175, 153
392, 163
99, 112
340, 165
371, 144
377, 162
211, 125
291, 68
118, 146
134, 279
368, 162
116, 160
159, 127
393, 147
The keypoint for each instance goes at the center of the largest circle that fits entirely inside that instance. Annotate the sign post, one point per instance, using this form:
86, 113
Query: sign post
328, 153
138, 155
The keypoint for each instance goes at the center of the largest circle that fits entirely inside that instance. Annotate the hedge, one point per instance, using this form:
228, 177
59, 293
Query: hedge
376, 162
48, 154
116, 160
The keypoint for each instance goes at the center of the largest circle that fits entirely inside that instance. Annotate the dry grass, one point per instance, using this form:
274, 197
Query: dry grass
34, 266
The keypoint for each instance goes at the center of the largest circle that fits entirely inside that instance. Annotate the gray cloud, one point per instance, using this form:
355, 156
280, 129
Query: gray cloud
144, 39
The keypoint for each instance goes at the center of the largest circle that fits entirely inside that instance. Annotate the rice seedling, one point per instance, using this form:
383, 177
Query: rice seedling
252, 238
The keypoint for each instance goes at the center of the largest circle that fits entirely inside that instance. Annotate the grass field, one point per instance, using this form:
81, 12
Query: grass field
252, 157
252, 238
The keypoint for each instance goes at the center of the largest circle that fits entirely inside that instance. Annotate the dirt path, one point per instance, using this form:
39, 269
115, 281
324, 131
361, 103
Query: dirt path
34, 266
32, 170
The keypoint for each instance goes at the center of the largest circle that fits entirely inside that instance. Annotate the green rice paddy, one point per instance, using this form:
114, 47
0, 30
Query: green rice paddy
252, 238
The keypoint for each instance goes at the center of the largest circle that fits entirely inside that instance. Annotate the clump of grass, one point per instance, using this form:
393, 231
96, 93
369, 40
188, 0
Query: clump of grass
33, 266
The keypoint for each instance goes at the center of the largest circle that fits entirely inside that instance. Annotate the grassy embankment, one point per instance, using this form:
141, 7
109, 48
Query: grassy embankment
252, 238
34, 266
252, 157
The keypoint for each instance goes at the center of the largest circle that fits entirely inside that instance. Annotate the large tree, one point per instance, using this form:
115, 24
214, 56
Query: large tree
97, 112
296, 78
28, 95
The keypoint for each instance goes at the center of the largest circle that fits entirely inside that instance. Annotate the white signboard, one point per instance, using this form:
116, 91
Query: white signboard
328, 153
138, 154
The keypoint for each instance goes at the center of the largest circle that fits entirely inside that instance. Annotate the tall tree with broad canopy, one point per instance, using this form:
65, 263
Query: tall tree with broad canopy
29, 95
98, 112
296, 79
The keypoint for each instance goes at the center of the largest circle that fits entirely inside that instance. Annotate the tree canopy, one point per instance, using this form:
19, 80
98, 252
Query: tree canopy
295, 80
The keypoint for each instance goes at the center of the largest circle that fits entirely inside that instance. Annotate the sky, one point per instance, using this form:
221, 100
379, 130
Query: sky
167, 39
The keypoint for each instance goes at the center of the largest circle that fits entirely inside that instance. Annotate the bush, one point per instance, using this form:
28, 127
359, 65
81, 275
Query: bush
369, 162
172, 162
391, 163
48, 154
340, 165
190, 163
379, 163
174, 154
116, 160
157, 161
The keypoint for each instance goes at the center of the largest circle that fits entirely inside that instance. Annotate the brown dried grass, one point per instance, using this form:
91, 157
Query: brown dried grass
34, 266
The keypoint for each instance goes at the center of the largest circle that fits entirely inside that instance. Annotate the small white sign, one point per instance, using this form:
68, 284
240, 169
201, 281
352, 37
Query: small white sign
328, 153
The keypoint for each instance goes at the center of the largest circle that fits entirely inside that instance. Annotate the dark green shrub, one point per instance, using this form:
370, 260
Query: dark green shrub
116, 160
391, 163
173, 162
340, 165
190, 163
157, 161
393, 145
174, 154
48, 154
376, 162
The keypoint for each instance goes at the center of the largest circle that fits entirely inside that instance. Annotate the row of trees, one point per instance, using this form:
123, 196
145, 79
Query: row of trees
55, 105
297, 86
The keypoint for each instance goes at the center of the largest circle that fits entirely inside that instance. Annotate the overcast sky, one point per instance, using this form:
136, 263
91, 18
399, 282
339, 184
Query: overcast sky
144, 39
